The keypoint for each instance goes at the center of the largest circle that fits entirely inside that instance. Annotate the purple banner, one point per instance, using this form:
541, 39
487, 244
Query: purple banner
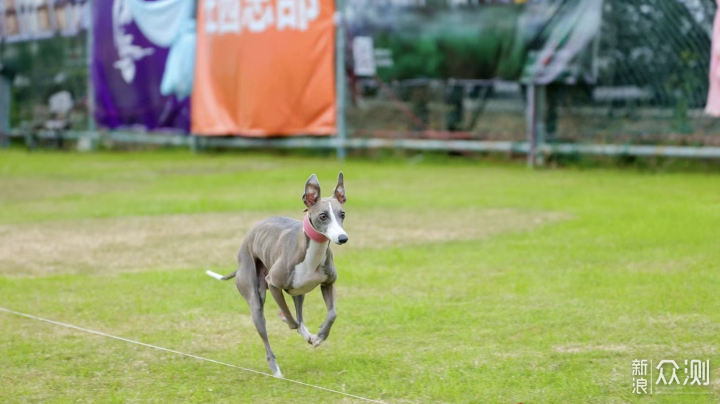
127, 70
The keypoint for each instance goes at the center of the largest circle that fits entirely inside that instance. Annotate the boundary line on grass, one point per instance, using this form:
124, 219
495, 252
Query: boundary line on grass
102, 334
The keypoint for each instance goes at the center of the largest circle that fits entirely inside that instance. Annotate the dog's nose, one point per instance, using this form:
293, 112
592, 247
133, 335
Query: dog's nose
342, 239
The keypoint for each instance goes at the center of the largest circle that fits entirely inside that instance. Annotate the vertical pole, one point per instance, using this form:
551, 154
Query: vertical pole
194, 141
5, 93
340, 86
531, 123
540, 129
90, 43
193, 138
4, 111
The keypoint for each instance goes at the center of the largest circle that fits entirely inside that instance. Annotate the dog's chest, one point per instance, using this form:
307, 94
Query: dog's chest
308, 274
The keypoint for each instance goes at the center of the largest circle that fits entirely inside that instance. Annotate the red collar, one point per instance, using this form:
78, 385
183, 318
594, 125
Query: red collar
311, 232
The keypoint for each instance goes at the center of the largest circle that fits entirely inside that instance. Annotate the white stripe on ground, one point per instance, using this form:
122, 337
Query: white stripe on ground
102, 334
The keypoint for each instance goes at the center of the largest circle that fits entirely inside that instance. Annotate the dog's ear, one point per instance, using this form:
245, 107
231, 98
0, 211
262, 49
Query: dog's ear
339, 192
312, 191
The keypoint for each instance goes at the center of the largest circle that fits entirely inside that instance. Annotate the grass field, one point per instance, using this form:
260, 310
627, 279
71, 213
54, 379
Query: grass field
463, 282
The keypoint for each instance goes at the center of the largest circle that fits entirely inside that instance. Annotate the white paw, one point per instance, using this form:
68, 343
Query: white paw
303, 331
317, 342
278, 373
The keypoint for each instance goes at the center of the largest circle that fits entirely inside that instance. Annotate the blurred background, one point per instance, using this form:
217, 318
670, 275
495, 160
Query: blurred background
503, 75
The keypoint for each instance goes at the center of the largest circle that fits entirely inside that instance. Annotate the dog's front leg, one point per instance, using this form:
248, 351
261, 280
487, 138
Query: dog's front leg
299, 299
328, 292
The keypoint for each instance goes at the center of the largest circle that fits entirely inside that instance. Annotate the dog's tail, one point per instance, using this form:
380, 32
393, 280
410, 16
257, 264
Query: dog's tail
220, 277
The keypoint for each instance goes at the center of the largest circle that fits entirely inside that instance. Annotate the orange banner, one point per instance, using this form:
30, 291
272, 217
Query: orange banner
264, 68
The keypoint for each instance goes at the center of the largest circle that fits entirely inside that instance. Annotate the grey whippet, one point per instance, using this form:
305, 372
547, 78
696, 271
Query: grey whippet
283, 254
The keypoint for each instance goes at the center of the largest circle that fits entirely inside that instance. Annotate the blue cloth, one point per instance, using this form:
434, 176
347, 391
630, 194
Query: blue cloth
170, 23
161, 21
180, 65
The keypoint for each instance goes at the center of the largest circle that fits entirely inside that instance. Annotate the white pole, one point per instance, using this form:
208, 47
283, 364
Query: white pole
89, 43
531, 126
340, 86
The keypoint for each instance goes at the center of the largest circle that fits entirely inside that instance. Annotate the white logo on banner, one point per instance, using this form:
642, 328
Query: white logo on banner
364, 56
128, 53
232, 16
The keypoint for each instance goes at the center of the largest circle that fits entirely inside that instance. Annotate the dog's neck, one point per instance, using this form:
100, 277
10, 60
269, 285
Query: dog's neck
311, 232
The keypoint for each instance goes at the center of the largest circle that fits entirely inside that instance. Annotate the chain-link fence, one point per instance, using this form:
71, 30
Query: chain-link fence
37, 70
653, 63
646, 79
459, 69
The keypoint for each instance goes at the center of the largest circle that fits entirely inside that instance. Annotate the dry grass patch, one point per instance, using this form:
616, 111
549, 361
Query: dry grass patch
123, 244
397, 227
212, 240
591, 348
668, 350
34, 189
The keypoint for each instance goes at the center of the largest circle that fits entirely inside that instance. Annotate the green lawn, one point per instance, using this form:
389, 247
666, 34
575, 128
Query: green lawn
462, 282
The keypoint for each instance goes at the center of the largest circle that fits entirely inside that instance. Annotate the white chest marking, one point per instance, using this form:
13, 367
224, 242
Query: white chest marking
307, 274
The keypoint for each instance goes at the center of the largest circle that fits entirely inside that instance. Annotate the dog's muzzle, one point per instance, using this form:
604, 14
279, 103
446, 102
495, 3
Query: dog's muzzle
342, 239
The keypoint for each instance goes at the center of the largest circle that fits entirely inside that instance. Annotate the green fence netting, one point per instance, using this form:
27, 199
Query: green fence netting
450, 70
459, 69
40, 68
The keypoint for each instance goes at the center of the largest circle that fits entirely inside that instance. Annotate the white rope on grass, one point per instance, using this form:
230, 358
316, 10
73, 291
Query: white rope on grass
102, 334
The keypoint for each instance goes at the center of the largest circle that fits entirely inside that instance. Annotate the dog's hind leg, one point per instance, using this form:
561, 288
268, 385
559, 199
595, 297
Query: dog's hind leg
249, 285
256, 309
277, 294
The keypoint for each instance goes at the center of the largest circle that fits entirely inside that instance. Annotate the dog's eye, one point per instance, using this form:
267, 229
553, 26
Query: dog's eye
323, 217
342, 215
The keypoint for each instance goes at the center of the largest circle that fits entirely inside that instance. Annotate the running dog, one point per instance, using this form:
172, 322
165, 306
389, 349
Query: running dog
283, 254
